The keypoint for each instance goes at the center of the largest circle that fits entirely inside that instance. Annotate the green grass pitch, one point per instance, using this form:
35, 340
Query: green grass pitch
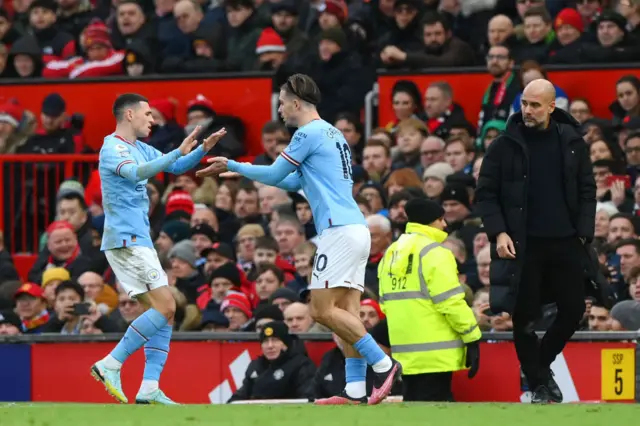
43, 414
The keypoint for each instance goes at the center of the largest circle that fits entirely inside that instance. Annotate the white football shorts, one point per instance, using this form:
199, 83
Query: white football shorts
137, 269
341, 258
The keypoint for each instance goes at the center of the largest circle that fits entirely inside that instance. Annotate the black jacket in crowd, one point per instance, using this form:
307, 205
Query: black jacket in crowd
288, 377
330, 376
501, 199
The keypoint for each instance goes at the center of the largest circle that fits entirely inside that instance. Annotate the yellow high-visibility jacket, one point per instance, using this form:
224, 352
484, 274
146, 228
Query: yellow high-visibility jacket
429, 320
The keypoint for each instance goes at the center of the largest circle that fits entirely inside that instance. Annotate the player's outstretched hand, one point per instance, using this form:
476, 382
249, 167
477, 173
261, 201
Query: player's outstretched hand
189, 142
216, 166
213, 139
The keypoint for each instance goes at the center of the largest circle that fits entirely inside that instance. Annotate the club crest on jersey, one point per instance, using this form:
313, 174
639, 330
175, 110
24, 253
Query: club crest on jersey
278, 374
153, 275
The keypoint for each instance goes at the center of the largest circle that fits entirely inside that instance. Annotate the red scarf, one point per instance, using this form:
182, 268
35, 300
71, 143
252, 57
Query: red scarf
74, 255
434, 123
501, 91
41, 319
376, 258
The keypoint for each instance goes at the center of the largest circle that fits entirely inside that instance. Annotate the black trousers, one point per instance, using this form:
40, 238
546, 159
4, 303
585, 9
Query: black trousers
427, 387
553, 271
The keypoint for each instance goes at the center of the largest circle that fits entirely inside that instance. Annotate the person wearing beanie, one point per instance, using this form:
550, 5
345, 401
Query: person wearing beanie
435, 178
265, 314
370, 313
237, 308
283, 297
223, 279
279, 373
614, 44
425, 307
189, 279
203, 236
214, 320
457, 205
334, 14
625, 316
179, 206
50, 280
56, 45
271, 50
172, 232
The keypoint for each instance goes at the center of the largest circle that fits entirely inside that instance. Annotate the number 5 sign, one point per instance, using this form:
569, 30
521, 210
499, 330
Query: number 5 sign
618, 374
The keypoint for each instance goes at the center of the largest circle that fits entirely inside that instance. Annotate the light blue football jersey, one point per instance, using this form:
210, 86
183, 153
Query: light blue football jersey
322, 157
124, 170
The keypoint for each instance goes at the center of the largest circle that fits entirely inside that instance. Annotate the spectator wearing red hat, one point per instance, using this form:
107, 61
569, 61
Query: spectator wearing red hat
569, 28
271, 50
16, 126
63, 251
370, 313
100, 59
31, 307
179, 206
166, 133
201, 112
333, 15
237, 308
54, 43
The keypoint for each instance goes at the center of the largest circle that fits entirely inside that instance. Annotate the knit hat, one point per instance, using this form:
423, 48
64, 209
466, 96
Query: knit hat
338, 8
461, 178
284, 293
228, 271
44, 4
627, 313
335, 35
184, 250
206, 230
201, 103
237, 300
375, 305
179, 200
456, 192
423, 211
53, 105
270, 41
166, 107
268, 311
70, 187
614, 17
569, 17
52, 274
58, 224
277, 329
284, 6
11, 113
97, 223
377, 187
223, 249
96, 33
210, 316
8, 317
176, 230
438, 171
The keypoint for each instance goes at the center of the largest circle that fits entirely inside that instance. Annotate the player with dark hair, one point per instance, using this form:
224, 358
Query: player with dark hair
125, 166
318, 160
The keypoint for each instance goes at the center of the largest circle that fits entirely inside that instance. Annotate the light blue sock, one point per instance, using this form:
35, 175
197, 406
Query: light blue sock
156, 351
139, 332
369, 349
356, 377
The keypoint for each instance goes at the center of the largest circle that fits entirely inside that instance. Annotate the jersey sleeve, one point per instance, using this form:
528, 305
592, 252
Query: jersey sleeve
115, 157
181, 165
298, 149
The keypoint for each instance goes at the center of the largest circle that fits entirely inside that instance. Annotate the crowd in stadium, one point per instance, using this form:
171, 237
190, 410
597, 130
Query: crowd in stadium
239, 254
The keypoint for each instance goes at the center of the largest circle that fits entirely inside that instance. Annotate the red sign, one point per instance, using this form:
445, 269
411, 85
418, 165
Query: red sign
246, 98
469, 89
209, 372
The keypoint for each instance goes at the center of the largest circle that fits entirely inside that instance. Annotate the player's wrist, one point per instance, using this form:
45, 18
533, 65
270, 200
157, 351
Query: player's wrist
232, 165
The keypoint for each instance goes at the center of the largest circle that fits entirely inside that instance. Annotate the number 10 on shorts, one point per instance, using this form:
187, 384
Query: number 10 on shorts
618, 374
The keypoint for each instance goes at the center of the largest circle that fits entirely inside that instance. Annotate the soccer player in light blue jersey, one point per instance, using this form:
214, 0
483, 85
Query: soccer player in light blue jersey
125, 165
318, 161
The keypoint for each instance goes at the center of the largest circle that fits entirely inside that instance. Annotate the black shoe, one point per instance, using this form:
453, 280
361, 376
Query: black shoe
541, 395
552, 386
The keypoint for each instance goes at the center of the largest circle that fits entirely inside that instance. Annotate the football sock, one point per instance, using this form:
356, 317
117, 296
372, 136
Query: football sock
375, 357
356, 375
139, 332
156, 351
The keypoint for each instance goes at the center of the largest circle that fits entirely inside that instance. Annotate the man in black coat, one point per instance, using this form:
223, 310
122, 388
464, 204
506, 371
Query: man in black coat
536, 197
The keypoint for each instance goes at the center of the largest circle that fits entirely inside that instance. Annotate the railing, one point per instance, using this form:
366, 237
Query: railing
594, 366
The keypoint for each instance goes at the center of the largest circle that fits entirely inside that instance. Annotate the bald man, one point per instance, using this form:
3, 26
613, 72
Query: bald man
500, 28
536, 197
